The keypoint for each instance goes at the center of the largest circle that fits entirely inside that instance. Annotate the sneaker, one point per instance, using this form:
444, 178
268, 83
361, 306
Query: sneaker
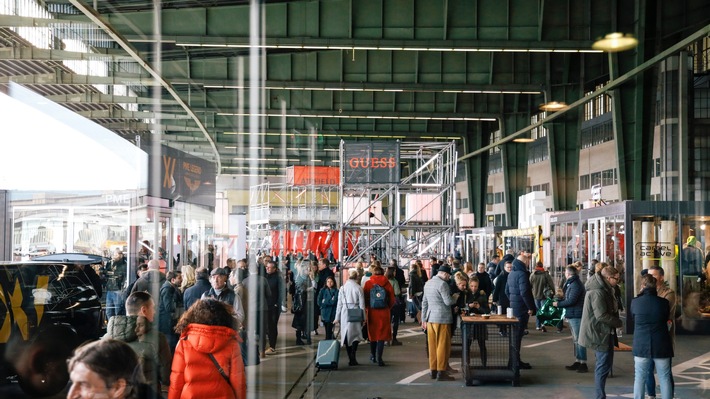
525, 366
271, 350
573, 367
396, 343
434, 374
582, 368
543, 329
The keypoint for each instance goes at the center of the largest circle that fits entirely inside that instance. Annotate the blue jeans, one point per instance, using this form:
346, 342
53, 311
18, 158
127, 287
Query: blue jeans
114, 304
538, 304
604, 360
580, 352
641, 371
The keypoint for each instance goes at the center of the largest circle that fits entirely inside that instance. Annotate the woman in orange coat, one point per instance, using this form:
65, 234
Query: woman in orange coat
208, 361
379, 328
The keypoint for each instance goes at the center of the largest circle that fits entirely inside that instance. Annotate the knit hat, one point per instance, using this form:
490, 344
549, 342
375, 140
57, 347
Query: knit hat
691, 241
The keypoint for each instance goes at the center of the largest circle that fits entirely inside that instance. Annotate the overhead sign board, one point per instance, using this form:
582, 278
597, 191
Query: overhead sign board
313, 175
371, 163
186, 178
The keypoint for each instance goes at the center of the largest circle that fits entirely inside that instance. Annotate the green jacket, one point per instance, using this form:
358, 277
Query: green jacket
600, 315
541, 281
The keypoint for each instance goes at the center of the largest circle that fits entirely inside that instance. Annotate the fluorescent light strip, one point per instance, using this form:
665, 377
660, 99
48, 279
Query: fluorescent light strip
250, 167
357, 117
234, 147
268, 159
390, 48
236, 87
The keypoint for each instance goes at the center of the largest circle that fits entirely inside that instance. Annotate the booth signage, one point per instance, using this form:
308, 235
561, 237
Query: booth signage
185, 178
371, 163
313, 175
656, 250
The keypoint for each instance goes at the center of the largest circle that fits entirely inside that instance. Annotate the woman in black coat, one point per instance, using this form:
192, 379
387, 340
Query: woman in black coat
652, 339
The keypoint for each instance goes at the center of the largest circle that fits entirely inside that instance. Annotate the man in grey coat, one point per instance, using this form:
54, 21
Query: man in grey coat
436, 321
600, 318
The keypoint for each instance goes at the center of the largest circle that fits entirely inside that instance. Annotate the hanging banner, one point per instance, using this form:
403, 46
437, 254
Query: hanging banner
371, 163
313, 175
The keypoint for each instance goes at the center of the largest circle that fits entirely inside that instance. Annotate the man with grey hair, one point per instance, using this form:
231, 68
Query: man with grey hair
600, 319
436, 321
151, 280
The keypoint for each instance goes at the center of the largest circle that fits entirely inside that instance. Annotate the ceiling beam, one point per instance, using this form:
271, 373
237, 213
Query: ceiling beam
416, 115
67, 78
100, 98
38, 54
114, 113
15, 21
135, 125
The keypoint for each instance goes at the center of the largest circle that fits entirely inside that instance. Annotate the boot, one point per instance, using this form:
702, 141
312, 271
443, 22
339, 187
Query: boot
380, 350
353, 350
444, 376
299, 341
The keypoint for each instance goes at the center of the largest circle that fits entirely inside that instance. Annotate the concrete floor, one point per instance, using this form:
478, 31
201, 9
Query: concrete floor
290, 373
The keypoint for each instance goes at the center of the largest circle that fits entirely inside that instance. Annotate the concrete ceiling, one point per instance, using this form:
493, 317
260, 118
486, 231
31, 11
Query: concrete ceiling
322, 71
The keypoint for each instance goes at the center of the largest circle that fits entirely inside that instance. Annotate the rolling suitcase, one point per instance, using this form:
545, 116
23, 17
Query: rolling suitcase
328, 354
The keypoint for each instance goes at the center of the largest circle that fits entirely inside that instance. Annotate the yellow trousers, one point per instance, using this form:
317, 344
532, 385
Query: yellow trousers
439, 341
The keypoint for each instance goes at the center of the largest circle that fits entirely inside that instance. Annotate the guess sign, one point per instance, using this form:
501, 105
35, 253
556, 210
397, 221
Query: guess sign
373, 163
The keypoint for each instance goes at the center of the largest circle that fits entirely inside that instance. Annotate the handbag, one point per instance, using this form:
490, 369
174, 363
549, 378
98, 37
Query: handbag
355, 315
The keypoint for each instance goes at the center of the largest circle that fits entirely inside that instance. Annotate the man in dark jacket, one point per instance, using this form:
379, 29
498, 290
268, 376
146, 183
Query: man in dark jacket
600, 319
493, 266
116, 273
170, 301
573, 303
484, 279
652, 340
399, 276
507, 258
519, 291
277, 299
257, 295
499, 296
202, 285
151, 281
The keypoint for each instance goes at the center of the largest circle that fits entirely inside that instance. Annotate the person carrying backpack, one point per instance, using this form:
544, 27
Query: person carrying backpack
379, 299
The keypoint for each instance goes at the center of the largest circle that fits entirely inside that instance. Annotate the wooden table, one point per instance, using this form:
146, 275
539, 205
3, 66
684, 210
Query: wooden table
488, 349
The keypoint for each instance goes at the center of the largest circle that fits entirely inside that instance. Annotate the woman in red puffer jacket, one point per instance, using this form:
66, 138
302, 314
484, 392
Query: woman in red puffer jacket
208, 328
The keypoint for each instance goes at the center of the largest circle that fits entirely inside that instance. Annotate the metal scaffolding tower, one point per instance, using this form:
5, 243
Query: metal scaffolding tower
284, 207
412, 216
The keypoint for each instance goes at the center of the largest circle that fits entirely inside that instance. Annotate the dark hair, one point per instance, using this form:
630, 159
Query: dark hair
143, 267
390, 273
172, 274
112, 360
135, 301
648, 281
572, 270
378, 271
209, 312
658, 268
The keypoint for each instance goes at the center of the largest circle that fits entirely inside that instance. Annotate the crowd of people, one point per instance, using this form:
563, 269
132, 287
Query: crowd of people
194, 330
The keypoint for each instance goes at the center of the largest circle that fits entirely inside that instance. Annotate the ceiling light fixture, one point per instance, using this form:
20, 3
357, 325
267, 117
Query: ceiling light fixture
615, 42
523, 140
553, 106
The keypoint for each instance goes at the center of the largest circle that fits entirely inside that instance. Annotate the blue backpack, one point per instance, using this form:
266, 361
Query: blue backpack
378, 297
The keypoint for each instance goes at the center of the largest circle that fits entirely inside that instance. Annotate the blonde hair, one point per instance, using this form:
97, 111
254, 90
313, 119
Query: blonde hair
460, 277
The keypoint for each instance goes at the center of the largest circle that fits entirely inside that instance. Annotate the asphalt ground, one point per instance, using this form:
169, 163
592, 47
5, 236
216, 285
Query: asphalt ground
290, 373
